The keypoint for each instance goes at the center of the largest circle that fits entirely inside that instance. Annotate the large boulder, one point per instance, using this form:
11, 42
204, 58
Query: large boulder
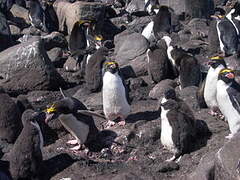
26, 67
10, 119
70, 13
227, 164
130, 49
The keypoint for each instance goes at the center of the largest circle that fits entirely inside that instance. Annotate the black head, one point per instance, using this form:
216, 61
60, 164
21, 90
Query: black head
30, 115
215, 61
111, 67
170, 94
170, 105
226, 75
64, 106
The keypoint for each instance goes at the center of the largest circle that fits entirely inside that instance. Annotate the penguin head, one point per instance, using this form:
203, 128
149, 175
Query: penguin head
215, 61
218, 17
170, 94
170, 105
98, 39
30, 116
111, 67
86, 23
226, 75
67, 105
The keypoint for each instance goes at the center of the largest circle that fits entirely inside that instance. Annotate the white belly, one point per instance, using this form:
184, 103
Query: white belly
147, 31
77, 128
166, 130
227, 108
219, 38
114, 96
210, 89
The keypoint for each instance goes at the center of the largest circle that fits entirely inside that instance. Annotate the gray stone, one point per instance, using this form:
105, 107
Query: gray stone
129, 46
5, 33
135, 6
205, 168
227, 160
26, 67
70, 13
161, 87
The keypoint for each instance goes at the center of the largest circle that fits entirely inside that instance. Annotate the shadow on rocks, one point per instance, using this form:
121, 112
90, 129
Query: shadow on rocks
55, 165
147, 115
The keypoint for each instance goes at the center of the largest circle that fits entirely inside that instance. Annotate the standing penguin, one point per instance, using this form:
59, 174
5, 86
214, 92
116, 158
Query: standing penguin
162, 22
26, 155
209, 91
37, 15
115, 104
93, 74
185, 65
75, 117
177, 126
227, 35
157, 61
228, 99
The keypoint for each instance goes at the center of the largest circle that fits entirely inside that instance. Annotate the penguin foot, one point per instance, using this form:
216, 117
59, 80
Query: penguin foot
122, 123
76, 148
72, 142
110, 124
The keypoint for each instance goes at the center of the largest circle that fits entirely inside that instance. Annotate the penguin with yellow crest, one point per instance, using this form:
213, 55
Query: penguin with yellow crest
115, 101
228, 99
208, 89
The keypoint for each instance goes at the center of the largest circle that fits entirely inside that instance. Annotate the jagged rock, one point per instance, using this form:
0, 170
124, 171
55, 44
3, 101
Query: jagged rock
5, 6
10, 119
70, 13
227, 160
168, 166
127, 176
161, 87
26, 67
138, 24
71, 65
20, 15
205, 168
56, 56
135, 6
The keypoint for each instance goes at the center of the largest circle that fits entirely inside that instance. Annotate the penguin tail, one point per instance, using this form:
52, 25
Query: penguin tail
91, 113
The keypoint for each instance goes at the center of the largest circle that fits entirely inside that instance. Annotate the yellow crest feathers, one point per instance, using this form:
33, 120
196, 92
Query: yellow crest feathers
51, 109
216, 58
110, 63
226, 71
98, 38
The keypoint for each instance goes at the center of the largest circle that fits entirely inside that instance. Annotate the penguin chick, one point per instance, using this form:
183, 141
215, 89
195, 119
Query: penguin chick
75, 117
228, 99
115, 104
177, 128
185, 65
216, 64
26, 154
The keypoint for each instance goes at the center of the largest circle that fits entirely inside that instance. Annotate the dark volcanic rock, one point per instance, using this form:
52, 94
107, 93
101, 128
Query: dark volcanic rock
56, 56
161, 87
10, 119
205, 169
168, 166
227, 160
26, 67
55, 39
5, 6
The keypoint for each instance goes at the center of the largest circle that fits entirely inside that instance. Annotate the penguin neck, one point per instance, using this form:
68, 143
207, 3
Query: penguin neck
229, 17
219, 37
86, 32
36, 125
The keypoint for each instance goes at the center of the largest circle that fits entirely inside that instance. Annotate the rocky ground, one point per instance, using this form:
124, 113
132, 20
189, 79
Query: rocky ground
32, 71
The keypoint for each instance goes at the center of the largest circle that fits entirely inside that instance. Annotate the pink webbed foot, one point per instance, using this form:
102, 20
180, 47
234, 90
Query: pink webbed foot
73, 142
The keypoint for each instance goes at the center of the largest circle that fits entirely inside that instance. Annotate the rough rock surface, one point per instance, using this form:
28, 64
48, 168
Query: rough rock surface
26, 67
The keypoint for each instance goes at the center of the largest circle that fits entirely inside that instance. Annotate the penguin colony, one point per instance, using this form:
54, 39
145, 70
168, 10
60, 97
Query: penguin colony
218, 91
